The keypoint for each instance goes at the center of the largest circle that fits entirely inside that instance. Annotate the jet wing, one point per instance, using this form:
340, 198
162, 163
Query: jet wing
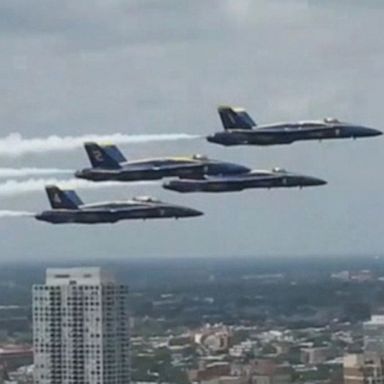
275, 130
133, 212
236, 179
165, 167
288, 134
233, 183
106, 171
253, 174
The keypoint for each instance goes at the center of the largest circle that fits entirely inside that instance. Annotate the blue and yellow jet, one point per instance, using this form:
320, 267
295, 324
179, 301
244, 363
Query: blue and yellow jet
276, 178
108, 163
240, 129
67, 208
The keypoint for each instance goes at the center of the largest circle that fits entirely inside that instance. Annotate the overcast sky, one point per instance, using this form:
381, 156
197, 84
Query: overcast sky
162, 66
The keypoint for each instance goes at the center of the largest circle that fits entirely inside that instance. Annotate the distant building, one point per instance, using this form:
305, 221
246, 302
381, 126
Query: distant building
23, 375
363, 276
353, 369
209, 372
358, 276
225, 380
259, 371
216, 342
374, 335
269, 372
80, 328
315, 355
342, 276
244, 348
14, 356
213, 339
360, 369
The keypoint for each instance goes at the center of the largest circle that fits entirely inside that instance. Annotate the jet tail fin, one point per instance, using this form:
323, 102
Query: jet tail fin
104, 156
60, 199
235, 118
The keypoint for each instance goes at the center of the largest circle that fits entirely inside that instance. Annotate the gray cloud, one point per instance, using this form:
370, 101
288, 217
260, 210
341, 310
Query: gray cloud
100, 25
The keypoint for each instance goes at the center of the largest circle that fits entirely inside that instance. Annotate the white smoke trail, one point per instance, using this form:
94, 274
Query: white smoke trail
5, 213
15, 144
14, 187
22, 172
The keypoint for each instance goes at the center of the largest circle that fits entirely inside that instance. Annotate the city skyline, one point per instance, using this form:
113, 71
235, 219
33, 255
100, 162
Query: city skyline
293, 322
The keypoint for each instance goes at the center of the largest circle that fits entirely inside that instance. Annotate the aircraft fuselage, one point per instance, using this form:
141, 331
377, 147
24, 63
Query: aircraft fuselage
287, 133
159, 169
255, 179
111, 213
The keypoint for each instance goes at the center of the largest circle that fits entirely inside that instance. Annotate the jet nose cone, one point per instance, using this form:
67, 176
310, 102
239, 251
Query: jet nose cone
367, 132
194, 212
321, 182
314, 181
374, 132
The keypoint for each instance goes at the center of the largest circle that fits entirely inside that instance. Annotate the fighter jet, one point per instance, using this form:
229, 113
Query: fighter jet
276, 178
108, 163
240, 129
68, 208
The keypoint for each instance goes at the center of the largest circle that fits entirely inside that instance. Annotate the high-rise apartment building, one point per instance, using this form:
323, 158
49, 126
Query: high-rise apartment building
80, 328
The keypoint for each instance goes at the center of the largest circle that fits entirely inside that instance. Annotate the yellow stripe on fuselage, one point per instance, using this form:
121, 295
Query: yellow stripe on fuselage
176, 159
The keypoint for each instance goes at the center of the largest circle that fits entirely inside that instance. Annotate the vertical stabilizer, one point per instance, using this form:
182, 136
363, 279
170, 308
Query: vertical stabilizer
104, 156
60, 199
235, 118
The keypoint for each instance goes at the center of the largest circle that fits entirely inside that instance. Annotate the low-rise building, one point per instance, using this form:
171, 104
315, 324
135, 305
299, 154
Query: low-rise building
315, 355
207, 372
361, 369
226, 380
269, 372
374, 335
14, 356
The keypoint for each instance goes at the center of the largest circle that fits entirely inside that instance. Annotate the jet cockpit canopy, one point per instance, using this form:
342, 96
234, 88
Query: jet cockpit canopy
331, 120
199, 156
146, 199
278, 170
